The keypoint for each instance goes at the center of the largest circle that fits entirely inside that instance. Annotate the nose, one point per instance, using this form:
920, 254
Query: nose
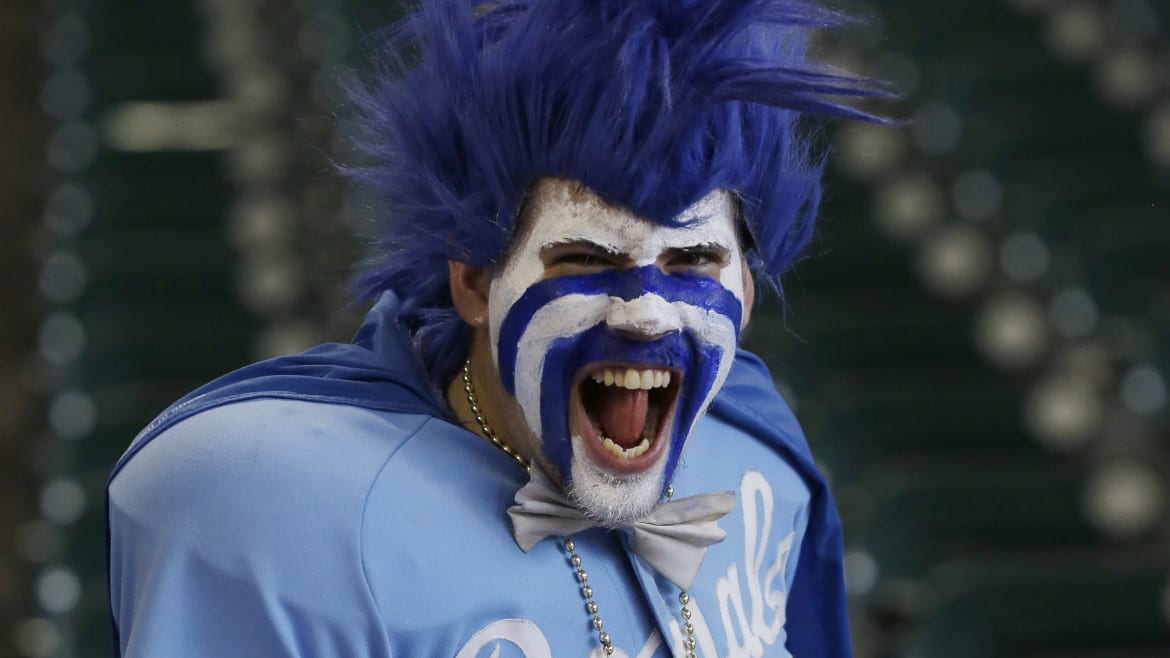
643, 318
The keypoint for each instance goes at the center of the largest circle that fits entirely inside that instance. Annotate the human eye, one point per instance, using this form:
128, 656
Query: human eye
703, 260
579, 258
697, 258
586, 259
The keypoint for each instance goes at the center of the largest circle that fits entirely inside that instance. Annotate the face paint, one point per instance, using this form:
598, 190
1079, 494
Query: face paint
552, 336
705, 316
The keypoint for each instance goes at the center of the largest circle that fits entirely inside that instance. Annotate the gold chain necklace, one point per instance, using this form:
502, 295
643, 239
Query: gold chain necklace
478, 413
684, 599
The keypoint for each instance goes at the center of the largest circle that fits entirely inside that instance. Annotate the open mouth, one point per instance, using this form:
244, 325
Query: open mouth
623, 412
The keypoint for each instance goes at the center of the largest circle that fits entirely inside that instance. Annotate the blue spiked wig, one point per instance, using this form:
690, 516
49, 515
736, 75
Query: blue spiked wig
651, 104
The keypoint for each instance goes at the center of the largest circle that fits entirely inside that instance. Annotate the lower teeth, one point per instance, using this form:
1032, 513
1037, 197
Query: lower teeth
627, 453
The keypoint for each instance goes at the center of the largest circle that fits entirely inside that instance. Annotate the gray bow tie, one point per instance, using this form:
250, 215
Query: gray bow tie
673, 539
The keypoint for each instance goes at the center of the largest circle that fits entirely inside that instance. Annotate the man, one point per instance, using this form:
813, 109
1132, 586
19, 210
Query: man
574, 194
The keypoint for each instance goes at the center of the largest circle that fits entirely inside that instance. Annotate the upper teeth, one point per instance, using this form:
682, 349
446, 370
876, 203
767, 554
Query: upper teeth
632, 379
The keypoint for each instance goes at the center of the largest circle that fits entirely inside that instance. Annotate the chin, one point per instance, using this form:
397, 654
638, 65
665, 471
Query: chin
613, 499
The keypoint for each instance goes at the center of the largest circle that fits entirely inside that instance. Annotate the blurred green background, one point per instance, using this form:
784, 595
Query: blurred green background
977, 343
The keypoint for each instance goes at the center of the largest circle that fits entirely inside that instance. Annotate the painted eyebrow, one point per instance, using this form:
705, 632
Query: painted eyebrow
580, 242
721, 248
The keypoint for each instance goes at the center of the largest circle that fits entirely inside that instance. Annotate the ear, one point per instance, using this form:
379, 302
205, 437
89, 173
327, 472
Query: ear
749, 296
470, 285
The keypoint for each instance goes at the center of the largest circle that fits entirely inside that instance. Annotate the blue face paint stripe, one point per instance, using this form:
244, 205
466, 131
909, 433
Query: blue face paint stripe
700, 291
697, 383
557, 441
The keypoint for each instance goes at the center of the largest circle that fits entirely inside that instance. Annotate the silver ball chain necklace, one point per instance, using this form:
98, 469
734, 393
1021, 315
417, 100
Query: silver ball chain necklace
684, 599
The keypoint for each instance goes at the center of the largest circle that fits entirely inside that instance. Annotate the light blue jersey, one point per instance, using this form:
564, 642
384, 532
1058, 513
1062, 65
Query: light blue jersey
319, 505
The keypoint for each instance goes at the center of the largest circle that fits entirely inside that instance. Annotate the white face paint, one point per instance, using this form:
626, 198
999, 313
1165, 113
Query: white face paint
574, 236
561, 214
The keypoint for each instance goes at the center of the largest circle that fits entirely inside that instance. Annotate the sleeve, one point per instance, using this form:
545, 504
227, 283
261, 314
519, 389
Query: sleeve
237, 533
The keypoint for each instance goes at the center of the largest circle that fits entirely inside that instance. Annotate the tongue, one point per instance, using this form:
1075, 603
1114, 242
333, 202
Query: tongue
623, 415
